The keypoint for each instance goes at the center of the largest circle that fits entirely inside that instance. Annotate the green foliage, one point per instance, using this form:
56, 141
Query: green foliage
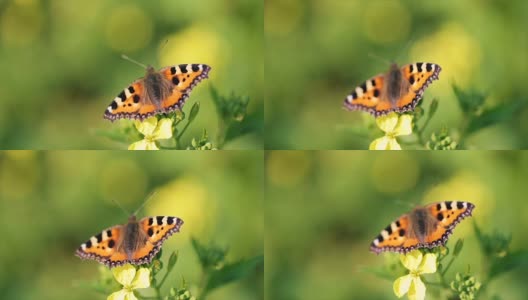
497, 260
233, 119
217, 271
233, 122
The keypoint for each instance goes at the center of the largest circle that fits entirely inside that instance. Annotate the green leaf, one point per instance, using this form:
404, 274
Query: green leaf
458, 247
469, 101
210, 257
232, 272
172, 260
194, 111
497, 114
509, 262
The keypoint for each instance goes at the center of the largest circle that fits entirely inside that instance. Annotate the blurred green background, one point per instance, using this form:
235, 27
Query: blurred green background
61, 63
317, 52
322, 250
51, 202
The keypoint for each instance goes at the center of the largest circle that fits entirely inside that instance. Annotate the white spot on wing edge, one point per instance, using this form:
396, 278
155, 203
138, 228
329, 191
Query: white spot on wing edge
384, 234
376, 242
127, 93
359, 92
93, 239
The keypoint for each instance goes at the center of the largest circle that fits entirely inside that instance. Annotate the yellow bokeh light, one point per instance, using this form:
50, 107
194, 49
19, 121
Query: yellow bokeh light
459, 54
128, 29
386, 21
21, 23
394, 173
195, 44
464, 186
187, 199
282, 17
287, 168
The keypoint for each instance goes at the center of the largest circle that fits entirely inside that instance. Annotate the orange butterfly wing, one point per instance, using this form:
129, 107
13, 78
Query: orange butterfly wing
184, 78
128, 104
394, 237
367, 97
448, 214
419, 75
157, 230
103, 247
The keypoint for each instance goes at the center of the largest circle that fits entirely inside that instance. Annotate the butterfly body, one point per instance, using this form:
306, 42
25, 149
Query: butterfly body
157, 92
424, 227
398, 90
136, 242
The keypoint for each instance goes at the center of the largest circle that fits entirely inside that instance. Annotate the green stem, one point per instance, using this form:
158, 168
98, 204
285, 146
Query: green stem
201, 289
183, 130
220, 136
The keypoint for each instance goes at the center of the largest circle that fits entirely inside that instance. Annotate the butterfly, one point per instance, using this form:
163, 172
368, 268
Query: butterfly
160, 91
136, 242
425, 227
398, 90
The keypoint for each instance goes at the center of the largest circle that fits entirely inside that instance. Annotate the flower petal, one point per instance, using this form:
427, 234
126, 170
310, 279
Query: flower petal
151, 146
417, 289
388, 122
393, 144
404, 126
142, 279
401, 285
124, 274
140, 145
119, 295
411, 260
428, 264
163, 130
148, 126
380, 143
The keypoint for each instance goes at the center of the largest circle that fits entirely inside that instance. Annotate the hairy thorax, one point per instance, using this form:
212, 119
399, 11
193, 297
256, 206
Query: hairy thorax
157, 88
395, 86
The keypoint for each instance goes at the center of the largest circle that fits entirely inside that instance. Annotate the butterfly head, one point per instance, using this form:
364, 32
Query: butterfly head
132, 219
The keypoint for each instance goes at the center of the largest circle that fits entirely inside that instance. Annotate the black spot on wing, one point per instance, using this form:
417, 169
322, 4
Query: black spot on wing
428, 67
411, 79
151, 221
460, 205
183, 68
364, 87
111, 244
150, 232
170, 221
122, 96
175, 80
438, 206
136, 99
354, 95
173, 70
109, 233
448, 204
376, 93
159, 220
113, 105
419, 66
88, 244
401, 232
131, 89
99, 237
411, 68
398, 223
388, 229
195, 67
440, 216
373, 82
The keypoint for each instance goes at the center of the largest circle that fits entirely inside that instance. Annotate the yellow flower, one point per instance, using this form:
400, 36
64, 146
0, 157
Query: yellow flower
131, 280
393, 125
412, 284
152, 130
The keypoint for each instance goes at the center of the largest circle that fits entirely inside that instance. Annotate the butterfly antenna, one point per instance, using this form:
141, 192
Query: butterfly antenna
133, 61
406, 48
121, 207
150, 196
372, 55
